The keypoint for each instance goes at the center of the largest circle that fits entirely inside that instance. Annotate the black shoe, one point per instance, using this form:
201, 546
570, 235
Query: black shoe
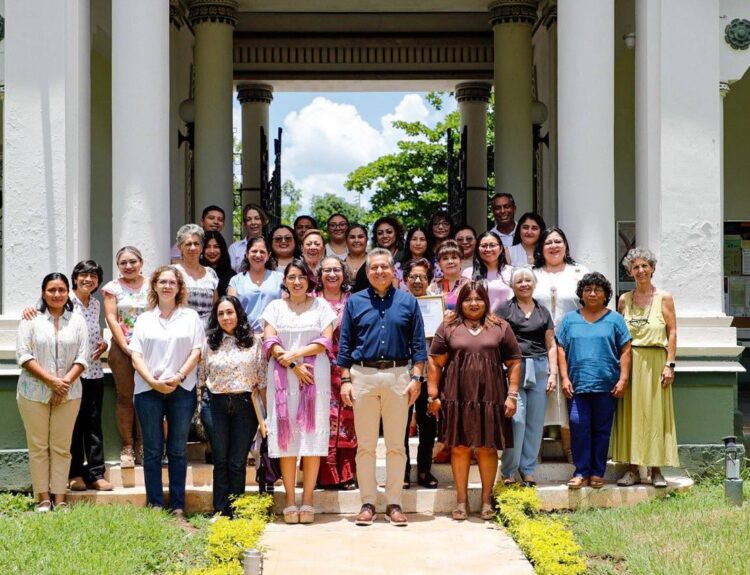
426, 479
407, 479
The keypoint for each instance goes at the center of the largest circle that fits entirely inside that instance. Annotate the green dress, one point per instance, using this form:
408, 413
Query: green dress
644, 428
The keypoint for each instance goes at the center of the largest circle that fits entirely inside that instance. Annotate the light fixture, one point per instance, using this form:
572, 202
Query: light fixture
629, 40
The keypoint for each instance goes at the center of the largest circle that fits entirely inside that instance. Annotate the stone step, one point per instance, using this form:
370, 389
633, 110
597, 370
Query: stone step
430, 501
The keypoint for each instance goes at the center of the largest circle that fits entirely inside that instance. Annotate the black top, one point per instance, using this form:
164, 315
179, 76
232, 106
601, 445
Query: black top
529, 331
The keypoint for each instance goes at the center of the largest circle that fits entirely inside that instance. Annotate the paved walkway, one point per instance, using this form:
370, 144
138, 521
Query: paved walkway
430, 545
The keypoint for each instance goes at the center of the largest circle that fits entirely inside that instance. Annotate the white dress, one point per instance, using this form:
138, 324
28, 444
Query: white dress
295, 331
562, 285
518, 257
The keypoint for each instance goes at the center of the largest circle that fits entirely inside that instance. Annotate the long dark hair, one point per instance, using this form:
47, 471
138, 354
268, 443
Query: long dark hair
223, 267
270, 262
444, 215
397, 228
243, 333
51, 277
478, 286
274, 229
407, 255
539, 220
302, 266
480, 268
539, 249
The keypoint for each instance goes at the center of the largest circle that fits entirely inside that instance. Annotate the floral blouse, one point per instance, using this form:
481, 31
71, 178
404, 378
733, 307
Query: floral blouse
130, 303
233, 369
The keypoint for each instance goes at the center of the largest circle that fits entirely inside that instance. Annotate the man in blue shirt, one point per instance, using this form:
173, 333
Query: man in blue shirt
381, 332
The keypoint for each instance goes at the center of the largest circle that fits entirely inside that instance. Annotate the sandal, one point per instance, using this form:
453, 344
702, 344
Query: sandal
596, 482
508, 481
459, 513
62, 506
528, 481
487, 513
630, 478
427, 479
291, 515
306, 514
44, 506
658, 481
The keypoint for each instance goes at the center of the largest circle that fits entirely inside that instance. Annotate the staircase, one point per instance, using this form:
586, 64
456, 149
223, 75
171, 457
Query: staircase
551, 479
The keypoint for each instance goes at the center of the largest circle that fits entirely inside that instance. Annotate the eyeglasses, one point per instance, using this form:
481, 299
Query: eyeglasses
441, 225
638, 321
294, 279
417, 277
332, 270
339, 226
593, 289
489, 246
281, 239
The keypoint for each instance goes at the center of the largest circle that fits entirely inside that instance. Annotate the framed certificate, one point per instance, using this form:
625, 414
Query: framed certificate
433, 311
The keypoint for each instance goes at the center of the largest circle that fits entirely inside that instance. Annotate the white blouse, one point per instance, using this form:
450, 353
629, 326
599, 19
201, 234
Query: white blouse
166, 343
54, 352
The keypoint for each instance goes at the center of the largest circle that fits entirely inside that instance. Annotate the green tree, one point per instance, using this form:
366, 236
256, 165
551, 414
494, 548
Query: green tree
322, 207
412, 182
291, 197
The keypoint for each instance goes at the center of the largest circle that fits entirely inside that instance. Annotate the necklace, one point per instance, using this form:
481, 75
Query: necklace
641, 320
256, 282
473, 327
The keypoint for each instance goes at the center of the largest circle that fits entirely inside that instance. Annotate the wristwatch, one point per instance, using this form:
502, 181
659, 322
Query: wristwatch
671, 364
419, 378
292, 365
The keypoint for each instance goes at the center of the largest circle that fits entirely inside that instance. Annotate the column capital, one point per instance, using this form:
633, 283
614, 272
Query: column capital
724, 89
512, 12
218, 11
550, 15
473, 92
176, 14
254, 93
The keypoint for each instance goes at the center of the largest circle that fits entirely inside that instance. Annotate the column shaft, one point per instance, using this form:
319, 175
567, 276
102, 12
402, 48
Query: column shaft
586, 131
213, 23
549, 209
514, 155
140, 128
46, 144
472, 106
256, 101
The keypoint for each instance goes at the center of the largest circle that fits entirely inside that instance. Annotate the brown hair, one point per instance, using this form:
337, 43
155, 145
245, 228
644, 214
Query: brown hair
480, 287
182, 293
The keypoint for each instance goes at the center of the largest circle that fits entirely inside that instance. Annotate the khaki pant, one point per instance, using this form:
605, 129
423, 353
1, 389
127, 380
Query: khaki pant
49, 430
123, 374
380, 393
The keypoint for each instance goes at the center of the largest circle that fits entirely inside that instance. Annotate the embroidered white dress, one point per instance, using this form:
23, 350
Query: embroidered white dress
296, 331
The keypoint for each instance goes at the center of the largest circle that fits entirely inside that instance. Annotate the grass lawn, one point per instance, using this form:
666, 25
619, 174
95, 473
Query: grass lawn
101, 540
685, 534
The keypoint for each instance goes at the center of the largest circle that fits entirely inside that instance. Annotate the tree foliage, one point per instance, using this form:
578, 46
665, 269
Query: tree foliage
291, 197
322, 207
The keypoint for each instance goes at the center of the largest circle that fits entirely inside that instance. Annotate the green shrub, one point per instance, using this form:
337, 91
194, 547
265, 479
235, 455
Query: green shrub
228, 538
251, 505
13, 504
547, 542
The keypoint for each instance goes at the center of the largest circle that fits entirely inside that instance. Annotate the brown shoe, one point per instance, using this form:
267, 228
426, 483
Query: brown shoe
394, 514
77, 484
366, 515
596, 482
577, 482
100, 484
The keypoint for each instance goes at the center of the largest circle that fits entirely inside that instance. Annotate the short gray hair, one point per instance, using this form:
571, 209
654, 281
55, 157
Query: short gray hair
380, 252
189, 230
522, 272
639, 253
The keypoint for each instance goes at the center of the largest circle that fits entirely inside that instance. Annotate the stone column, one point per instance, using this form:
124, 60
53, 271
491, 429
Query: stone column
514, 155
47, 149
472, 100
255, 100
679, 207
213, 23
549, 209
586, 92
140, 128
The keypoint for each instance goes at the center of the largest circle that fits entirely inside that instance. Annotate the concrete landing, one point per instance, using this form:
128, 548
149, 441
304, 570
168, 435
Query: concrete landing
429, 545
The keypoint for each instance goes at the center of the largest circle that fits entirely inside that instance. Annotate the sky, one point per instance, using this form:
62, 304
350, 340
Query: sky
327, 135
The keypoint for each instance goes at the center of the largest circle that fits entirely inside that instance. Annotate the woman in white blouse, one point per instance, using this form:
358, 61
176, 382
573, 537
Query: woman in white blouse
233, 366
166, 346
52, 349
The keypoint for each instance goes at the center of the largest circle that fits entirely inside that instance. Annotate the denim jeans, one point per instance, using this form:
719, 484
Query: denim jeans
233, 428
178, 407
591, 416
528, 423
88, 440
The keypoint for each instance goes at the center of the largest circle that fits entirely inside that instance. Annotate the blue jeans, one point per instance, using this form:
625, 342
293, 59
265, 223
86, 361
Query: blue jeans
232, 431
152, 407
591, 416
528, 423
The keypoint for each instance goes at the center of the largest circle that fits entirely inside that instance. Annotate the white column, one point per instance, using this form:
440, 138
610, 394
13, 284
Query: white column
472, 100
514, 155
678, 149
256, 101
549, 209
140, 128
585, 84
47, 144
213, 23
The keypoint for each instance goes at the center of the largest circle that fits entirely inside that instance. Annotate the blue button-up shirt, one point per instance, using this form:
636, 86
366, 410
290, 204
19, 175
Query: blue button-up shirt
381, 328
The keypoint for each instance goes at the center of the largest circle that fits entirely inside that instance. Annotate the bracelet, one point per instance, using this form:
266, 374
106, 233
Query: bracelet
346, 380
180, 375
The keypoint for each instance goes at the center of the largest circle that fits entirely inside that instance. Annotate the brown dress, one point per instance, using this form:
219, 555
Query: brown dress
473, 388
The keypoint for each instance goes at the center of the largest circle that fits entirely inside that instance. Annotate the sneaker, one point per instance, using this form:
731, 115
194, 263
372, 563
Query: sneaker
127, 457
630, 478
